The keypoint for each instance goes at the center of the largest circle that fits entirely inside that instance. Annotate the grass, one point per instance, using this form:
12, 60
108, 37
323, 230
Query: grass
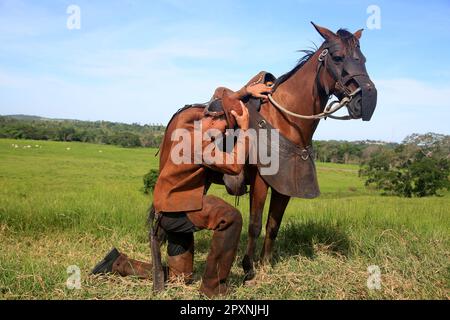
65, 204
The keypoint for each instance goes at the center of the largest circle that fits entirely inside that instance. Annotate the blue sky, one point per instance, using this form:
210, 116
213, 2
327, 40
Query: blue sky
139, 61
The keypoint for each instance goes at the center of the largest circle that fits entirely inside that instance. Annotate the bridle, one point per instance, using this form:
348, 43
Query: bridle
333, 106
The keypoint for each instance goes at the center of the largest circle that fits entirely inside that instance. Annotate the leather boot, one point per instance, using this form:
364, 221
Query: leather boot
221, 256
105, 266
125, 266
181, 266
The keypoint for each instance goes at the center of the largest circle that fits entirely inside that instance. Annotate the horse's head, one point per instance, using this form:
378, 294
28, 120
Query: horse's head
343, 72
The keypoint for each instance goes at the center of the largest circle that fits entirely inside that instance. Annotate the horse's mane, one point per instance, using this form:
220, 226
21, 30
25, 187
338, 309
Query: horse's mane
301, 62
347, 37
344, 34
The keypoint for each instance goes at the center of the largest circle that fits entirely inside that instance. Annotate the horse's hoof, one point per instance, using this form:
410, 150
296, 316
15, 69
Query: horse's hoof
249, 275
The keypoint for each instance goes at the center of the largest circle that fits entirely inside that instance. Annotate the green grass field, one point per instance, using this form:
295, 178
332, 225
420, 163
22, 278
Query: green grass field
64, 204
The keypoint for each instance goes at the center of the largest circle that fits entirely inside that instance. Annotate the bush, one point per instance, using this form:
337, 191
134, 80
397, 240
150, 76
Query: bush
126, 140
407, 172
150, 181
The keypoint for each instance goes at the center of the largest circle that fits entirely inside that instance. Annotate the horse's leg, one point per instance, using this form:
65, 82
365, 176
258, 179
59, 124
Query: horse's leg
258, 195
278, 204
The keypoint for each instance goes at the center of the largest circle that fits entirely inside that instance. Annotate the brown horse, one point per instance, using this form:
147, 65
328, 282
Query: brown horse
336, 68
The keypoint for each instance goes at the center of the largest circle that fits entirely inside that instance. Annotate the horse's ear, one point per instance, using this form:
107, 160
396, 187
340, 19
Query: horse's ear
358, 34
324, 32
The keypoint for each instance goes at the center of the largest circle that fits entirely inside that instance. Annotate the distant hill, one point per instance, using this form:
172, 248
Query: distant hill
24, 117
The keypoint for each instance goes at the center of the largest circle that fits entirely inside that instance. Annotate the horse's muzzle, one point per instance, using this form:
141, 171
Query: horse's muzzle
364, 103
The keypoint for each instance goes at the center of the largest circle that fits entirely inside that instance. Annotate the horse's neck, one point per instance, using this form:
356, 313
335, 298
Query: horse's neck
299, 95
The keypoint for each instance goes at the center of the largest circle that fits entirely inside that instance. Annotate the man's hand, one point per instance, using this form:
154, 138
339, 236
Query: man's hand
259, 90
242, 121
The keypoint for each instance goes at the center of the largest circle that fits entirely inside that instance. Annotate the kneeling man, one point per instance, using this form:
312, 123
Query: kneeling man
180, 193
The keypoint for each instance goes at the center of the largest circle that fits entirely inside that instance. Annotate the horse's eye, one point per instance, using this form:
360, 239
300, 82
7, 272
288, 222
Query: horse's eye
338, 58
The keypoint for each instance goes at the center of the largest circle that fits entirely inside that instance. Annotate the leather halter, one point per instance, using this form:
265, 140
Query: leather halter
332, 107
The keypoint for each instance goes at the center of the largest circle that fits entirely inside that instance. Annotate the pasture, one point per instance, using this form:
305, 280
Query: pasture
64, 204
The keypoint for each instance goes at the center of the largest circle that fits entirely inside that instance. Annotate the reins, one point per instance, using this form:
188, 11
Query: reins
329, 110
327, 113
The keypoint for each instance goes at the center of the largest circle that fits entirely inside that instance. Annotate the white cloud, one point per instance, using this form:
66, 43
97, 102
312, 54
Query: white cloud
405, 106
149, 63
405, 93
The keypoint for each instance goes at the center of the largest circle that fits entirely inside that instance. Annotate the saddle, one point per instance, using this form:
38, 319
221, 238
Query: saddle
224, 106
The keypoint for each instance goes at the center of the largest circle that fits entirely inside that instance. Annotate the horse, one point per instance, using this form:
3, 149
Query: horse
295, 108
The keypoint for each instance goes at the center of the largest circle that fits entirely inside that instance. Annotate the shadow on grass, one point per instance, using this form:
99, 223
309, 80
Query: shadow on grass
293, 239
304, 238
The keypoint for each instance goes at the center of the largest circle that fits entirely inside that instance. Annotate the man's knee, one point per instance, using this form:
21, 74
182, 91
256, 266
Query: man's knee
238, 217
179, 243
234, 217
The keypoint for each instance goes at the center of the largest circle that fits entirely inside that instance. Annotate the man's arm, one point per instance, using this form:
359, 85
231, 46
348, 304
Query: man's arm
253, 88
238, 155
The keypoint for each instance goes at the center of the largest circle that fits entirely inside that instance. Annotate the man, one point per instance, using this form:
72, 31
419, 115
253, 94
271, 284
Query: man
181, 200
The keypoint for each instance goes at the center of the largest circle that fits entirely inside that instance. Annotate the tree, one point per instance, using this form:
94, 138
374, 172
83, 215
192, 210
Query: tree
126, 140
407, 172
65, 133
429, 175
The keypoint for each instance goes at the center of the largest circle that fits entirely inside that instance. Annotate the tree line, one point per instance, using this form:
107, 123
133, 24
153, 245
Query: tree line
348, 152
101, 132
150, 135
